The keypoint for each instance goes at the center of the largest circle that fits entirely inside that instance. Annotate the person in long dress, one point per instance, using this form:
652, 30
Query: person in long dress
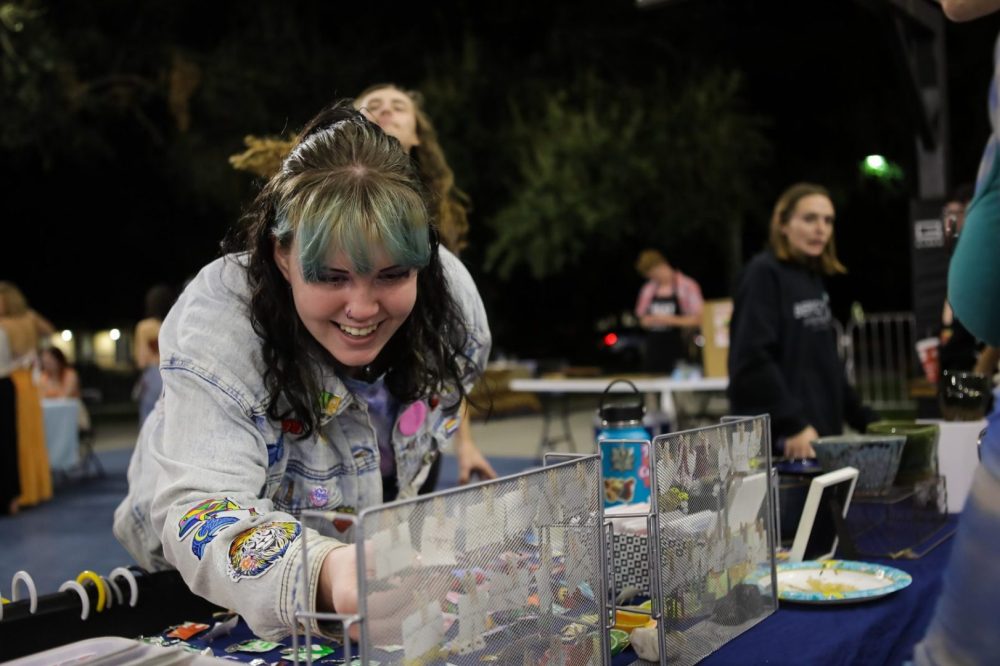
23, 327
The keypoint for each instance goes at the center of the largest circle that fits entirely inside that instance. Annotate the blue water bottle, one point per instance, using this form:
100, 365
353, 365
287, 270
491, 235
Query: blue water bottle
624, 464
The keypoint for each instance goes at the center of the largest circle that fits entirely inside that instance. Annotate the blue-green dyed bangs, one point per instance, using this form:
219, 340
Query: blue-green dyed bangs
366, 217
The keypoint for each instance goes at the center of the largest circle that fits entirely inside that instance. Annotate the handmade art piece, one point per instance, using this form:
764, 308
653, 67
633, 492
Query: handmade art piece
423, 633
437, 542
392, 550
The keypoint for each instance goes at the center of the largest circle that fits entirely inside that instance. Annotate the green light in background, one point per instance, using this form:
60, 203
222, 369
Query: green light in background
878, 167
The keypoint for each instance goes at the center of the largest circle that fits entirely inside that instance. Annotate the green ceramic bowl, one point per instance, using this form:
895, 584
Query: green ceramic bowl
919, 460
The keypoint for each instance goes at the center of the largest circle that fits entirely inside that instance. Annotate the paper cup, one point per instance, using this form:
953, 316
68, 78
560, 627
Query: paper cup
927, 351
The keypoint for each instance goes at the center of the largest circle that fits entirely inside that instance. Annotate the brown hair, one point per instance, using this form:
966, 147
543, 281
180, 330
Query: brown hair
447, 204
648, 259
827, 262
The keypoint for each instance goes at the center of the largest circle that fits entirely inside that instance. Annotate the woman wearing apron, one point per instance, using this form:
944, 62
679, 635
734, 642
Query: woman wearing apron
668, 303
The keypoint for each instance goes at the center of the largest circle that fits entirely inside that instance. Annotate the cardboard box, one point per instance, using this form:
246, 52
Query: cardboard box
715, 318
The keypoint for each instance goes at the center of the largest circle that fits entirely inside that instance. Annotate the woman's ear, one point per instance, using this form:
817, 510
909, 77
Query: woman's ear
283, 260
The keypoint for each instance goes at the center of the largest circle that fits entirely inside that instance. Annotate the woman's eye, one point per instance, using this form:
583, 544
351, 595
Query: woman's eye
395, 276
333, 278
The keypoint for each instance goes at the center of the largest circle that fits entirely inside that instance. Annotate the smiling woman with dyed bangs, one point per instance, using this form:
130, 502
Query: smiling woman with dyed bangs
319, 365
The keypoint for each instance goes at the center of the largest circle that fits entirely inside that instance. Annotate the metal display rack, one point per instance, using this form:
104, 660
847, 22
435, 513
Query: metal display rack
512, 567
714, 536
519, 569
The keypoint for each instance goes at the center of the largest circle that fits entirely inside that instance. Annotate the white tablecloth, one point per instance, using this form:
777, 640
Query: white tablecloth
665, 386
61, 436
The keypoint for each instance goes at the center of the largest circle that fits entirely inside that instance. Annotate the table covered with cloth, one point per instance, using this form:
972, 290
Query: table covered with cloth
61, 436
882, 631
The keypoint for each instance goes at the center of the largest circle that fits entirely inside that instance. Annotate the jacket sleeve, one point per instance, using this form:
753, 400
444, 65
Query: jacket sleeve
465, 293
974, 272
756, 383
226, 540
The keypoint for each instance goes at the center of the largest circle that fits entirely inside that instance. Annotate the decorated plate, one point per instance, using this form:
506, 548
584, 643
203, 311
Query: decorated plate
836, 581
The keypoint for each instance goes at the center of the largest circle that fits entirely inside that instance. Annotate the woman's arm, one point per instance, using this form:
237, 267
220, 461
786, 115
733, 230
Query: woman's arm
146, 331
470, 458
216, 526
43, 327
71, 383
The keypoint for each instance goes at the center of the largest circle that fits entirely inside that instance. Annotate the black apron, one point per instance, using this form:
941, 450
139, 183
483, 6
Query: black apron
664, 347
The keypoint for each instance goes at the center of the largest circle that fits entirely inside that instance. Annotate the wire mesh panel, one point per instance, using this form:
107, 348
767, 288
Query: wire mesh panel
508, 571
715, 536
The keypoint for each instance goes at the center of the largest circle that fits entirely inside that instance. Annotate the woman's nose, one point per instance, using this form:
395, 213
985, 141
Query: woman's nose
362, 305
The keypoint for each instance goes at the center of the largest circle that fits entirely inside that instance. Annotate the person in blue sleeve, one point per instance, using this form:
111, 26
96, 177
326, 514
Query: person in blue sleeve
965, 628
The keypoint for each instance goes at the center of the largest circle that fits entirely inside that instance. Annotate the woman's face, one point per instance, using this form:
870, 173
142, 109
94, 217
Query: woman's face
661, 273
352, 316
49, 363
810, 226
394, 112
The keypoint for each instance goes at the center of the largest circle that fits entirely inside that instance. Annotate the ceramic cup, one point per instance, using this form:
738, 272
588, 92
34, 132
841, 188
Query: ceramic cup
919, 460
964, 396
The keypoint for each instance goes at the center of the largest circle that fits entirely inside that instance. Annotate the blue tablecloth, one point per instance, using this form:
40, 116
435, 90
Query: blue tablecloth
62, 438
882, 631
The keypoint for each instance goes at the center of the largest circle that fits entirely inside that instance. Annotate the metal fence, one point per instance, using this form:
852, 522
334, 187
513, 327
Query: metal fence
879, 353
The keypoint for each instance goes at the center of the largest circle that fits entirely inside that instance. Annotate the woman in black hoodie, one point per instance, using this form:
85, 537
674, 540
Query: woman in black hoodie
783, 347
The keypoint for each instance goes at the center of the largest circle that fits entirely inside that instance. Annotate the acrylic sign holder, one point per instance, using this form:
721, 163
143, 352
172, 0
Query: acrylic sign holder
510, 569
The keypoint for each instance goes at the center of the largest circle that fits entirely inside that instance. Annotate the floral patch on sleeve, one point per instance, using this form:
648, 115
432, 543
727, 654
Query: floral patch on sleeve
206, 519
255, 550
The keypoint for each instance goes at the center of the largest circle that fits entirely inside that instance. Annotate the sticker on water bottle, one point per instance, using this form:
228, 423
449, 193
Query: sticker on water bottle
625, 466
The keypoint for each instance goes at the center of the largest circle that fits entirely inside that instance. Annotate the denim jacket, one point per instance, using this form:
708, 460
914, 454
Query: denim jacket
215, 486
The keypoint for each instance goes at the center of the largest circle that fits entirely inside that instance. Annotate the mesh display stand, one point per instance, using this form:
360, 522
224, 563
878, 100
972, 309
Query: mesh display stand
511, 570
713, 536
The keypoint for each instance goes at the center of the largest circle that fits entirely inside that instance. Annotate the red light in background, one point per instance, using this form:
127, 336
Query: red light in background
610, 339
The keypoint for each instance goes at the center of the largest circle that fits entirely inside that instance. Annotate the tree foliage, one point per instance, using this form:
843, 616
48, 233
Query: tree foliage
626, 167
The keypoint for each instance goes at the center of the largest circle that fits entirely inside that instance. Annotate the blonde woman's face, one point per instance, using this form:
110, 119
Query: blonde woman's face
810, 226
394, 112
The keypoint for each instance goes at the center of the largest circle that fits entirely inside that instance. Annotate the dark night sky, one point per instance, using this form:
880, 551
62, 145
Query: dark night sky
85, 239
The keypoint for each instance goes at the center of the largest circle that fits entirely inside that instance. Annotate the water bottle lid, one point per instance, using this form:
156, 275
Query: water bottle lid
618, 411
621, 413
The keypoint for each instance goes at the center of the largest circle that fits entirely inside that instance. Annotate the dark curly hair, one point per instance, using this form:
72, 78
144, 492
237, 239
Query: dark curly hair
348, 185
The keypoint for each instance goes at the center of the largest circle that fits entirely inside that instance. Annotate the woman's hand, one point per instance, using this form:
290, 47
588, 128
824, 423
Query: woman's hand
338, 582
387, 608
471, 461
800, 445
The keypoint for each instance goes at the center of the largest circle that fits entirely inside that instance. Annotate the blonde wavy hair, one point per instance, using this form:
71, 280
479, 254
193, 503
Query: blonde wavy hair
447, 204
